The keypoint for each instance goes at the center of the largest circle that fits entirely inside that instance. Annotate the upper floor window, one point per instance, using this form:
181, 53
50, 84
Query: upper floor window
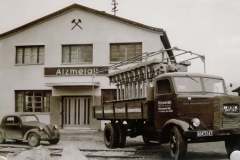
124, 51
77, 54
29, 54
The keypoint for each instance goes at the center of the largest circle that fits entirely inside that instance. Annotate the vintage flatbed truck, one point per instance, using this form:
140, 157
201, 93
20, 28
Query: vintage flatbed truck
176, 108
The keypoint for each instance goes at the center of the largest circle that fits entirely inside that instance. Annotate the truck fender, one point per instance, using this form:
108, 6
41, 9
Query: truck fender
182, 124
31, 131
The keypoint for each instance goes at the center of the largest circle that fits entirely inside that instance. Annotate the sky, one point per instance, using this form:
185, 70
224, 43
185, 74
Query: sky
209, 27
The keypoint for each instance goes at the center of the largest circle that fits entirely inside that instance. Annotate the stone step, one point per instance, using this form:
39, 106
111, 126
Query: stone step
77, 131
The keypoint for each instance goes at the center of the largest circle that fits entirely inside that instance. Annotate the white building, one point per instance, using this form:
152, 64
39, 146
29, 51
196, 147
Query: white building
47, 66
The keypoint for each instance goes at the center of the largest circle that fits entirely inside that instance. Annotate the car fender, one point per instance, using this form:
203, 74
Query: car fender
180, 123
2, 130
35, 130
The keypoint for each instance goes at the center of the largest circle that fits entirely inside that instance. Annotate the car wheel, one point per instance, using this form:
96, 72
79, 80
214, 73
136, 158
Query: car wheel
54, 141
232, 144
2, 139
178, 145
111, 136
33, 139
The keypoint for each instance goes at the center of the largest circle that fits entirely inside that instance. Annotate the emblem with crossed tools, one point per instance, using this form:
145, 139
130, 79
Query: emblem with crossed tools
76, 23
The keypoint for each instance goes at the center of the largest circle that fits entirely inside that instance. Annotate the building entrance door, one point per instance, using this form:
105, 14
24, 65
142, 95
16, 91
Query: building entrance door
76, 111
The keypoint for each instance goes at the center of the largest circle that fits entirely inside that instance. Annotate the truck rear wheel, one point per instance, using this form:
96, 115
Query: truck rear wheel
232, 144
122, 135
178, 145
111, 135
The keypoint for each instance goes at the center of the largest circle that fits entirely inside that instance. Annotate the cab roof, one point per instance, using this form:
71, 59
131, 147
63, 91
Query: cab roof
182, 74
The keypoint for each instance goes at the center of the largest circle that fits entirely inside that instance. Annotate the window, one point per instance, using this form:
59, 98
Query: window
188, 84
163, 86
77, 54
29, 54
12, 121
33, 101
109, 95
124, 51
214, 85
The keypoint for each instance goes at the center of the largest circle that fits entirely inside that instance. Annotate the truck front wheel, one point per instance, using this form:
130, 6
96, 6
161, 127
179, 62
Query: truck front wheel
178, 145
111, 136
232, 144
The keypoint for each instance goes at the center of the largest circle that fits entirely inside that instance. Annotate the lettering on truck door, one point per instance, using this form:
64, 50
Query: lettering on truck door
164, 102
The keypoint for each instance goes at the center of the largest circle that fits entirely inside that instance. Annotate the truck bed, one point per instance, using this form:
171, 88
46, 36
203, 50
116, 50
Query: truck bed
122, 110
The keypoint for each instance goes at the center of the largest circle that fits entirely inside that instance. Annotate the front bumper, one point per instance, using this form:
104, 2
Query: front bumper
210, 135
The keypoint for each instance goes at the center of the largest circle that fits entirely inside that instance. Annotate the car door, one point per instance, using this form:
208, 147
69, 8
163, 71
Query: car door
164, 101
13, 127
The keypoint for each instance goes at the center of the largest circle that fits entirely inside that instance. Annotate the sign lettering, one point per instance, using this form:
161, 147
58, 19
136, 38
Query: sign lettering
75, 71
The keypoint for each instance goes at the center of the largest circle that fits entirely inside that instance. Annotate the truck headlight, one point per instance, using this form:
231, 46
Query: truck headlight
196, 122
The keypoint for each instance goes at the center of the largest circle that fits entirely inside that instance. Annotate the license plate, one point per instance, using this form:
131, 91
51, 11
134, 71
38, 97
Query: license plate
207, 133
231, 108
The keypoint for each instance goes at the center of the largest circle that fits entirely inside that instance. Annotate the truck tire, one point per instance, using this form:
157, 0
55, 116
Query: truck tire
2, 139
232, 144
178, 145
111, 135
122, 135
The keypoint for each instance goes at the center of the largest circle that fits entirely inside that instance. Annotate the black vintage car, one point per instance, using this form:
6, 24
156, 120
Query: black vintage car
26, 127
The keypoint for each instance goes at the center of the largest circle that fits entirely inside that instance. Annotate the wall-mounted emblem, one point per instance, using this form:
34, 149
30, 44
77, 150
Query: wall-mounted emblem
76, 23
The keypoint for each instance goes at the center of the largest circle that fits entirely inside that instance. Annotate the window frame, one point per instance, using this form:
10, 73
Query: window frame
72, 45
172, 90
24, 103
23, 60
123, 43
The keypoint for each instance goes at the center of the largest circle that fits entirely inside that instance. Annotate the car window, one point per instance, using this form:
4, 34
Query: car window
12, 120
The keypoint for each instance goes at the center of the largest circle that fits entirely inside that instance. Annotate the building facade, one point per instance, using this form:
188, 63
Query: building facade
57, 66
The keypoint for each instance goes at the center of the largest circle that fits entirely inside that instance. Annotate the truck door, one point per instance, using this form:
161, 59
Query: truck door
164, 102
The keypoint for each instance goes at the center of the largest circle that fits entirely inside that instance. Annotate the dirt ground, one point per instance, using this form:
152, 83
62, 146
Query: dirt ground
90, 146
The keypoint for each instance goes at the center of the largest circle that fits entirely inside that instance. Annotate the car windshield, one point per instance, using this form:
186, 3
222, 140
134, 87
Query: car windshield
188, 84
29, 118
194, 84
213, 85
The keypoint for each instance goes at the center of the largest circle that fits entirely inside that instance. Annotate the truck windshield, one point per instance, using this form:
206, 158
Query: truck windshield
195, 84
188, 84
213, 85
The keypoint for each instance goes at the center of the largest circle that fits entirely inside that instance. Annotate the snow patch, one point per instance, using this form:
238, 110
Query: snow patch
71, 152
38, 153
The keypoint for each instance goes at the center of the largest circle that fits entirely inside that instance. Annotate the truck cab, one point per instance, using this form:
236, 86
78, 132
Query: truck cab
192, 107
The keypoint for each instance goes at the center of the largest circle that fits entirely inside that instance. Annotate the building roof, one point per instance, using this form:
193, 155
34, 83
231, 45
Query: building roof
163, 37
78, 6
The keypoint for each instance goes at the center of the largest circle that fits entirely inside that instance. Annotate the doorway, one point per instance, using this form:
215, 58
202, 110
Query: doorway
76, 111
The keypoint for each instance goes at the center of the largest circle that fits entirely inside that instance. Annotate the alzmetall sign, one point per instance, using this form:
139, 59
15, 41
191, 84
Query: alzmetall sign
75, 71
